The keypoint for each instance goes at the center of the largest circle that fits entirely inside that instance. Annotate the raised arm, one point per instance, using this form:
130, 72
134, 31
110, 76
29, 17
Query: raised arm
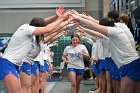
92, 25
89, 40
52, 27
50, 37
58, 13
92, 32
83, 15
89, 18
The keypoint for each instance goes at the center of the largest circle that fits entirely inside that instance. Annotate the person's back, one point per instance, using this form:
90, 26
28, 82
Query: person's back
128, 33
16, 49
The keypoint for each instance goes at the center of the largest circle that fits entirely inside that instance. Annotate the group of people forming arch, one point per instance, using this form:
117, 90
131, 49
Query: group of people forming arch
24, 69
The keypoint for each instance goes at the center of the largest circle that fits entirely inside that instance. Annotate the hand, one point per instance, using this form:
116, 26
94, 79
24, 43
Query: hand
71, 20
65, 16
96, 59
66, 61
74, 12
64, 33
79, 29
55, 42
59, 11
75, 16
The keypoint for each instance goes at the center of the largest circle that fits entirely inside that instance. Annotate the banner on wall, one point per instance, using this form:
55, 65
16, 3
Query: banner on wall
41, 3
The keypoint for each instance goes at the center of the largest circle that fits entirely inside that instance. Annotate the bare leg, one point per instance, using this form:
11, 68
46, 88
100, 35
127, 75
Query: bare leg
127, 85
118, 86
113, 86
12, 84
97, 82
35, 83
45, 76
100, 84
72, 77
109, 87
25, 82
138, 88
78, 80
41, 83
103, 77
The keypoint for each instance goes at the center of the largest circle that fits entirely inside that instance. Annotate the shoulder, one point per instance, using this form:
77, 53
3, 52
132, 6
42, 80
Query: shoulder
112, 30
27, 28
81, 46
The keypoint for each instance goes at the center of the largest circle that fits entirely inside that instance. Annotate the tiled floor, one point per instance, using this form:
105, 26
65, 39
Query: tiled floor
62, 86
2, 90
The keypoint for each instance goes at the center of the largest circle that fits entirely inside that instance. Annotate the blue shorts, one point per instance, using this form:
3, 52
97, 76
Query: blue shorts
132, 70
102, 65
95, 68
26, 68
7, 67
108, 63
34, 68
46, 65
78, 72
43, 68
114, 71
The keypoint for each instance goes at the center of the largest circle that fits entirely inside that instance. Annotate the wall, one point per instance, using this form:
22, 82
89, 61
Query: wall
106, 4
12, 18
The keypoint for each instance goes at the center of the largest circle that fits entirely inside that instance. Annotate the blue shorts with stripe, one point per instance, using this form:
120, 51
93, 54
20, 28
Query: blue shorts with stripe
7, 67
131, 70
95, 68
26, 68
35, 67
44, 68
102, 65
114, 71
46, 65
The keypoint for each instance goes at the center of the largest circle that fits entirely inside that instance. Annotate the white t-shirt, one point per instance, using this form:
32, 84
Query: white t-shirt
33, 53
90, 41
47, 52
128, 32
50, 56
120, 45
20, 44
74, 58
105, 44
40, 57
95, 49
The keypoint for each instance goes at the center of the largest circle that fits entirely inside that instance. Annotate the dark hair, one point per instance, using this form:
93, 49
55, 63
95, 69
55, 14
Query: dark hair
38, 22
124, 18
114, 15
106, 22
75, 35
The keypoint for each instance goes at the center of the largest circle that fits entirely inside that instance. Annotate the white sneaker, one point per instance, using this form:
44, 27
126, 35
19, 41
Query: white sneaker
91, 78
